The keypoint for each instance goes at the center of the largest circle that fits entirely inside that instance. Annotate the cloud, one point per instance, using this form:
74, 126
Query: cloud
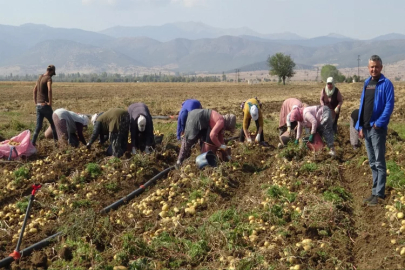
118, 3
188, 3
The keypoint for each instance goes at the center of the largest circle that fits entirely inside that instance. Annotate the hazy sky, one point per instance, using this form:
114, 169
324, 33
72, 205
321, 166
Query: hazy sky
358, 19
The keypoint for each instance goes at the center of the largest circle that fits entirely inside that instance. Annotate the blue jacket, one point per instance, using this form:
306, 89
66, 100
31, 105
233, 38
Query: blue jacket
383, 103
187, 106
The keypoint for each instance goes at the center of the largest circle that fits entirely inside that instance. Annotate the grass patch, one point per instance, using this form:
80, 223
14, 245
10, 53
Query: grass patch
337, 195
396, 178
20, 174
23, 204
281, 193
82, 204
309, 167
93, 169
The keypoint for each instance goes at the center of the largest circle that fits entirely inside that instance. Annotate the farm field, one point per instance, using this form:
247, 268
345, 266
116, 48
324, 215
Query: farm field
268, 208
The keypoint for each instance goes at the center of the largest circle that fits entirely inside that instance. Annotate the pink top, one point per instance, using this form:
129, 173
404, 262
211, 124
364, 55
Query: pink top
312, 118
286, 109
217, 125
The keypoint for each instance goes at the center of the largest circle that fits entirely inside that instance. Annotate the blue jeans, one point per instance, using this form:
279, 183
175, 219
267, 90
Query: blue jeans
375, 145
44, 112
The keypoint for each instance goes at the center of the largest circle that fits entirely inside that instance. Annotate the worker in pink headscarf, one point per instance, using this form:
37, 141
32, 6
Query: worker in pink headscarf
285, 123
319, 119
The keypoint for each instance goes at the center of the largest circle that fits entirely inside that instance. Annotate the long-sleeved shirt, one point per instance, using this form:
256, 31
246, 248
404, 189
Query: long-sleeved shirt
205, 119
332, 102
135, 110
286, 109
108, 122
187, 106
74, 123
312, 117
246, 113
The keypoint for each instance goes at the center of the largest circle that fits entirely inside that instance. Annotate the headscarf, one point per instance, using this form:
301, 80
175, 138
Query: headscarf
230, 121
254, 112
94, 118
328, 92
84, 119
296, 114
141, 123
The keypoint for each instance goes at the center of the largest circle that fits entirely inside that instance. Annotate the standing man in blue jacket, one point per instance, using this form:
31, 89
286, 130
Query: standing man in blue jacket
186, 107
376, 106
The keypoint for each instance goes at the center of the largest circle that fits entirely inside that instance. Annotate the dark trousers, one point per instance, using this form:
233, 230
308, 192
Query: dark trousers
44, 112
242, 133
335, 123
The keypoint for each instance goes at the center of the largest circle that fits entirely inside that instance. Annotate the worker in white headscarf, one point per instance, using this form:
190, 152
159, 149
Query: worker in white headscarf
252, 111
69, 126
141, 127
331, 97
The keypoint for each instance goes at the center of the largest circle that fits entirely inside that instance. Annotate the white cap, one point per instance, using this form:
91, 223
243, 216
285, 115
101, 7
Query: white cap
329, 80
94, 118
254, 112
141, 123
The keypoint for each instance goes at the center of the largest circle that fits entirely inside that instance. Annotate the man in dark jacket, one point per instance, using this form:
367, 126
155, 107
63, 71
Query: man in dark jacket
376, 106
42, 93
141, 127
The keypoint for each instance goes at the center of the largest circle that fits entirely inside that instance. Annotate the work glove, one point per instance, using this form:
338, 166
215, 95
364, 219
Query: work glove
311, 138
332, 153
88, 146
222, 147
147, 150
296, 142
257, 138
177, 165
249, 140
289, 130
337, 110
133, 151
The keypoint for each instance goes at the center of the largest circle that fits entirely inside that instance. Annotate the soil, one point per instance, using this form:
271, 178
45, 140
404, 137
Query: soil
363, 244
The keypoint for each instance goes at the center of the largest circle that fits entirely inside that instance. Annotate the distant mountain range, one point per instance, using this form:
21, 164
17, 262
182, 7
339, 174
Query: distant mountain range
183, 47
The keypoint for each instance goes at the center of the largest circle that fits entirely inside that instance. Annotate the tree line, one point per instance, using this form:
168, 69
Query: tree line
282, 65
115, 77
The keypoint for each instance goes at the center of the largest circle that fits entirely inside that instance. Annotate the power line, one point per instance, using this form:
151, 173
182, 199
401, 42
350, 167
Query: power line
358, 67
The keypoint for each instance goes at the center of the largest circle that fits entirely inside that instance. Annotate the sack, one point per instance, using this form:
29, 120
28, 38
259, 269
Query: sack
17, 146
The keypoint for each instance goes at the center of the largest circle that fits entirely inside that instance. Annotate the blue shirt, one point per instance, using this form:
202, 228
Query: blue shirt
187, 106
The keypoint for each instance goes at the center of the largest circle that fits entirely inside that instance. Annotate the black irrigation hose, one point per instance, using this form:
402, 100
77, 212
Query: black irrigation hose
26, 252
134, 193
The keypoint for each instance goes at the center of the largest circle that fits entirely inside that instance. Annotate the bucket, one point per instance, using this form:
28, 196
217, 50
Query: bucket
48, 133
285, 138
317, 145
207, 158
222, 155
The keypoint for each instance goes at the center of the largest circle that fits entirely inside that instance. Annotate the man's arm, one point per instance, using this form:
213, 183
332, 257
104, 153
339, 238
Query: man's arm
35, 90
389, 107
215, 132
50, 93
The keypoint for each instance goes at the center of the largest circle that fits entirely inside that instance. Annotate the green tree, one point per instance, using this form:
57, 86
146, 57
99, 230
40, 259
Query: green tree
332, 71
281, 65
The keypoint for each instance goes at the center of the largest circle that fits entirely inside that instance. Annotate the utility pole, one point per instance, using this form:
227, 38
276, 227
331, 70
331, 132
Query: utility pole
236, 75
358, 67
317, 72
